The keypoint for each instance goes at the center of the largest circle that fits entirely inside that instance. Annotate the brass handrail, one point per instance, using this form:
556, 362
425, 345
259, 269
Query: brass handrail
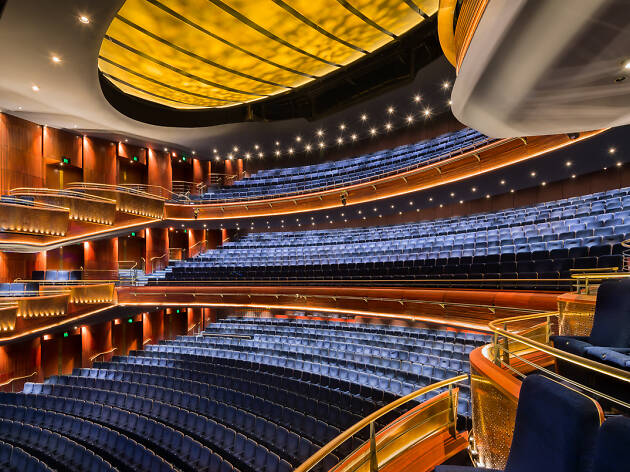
102, 354
151, 261
494, 326
192, 328
134, 189
146, 341
442, 304
352, 430
30, 204
190, 249
59, 193
17, 378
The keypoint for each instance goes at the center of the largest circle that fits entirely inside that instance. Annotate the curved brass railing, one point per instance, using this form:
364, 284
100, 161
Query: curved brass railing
499, 328
102, 354
155, 260
370, 419
10, 381
144, 190
198, 247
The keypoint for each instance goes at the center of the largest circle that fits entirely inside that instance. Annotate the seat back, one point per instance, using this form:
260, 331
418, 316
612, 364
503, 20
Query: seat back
612, 451
555, 429
611, 323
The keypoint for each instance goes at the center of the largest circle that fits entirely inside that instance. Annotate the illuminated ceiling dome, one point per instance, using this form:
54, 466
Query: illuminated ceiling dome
192, 54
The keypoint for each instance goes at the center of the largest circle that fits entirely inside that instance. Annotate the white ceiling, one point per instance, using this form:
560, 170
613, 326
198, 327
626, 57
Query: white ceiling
31, 31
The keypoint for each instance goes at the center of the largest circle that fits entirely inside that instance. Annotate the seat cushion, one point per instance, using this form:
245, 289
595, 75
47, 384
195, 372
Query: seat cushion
611, 325
574, 344
619, 358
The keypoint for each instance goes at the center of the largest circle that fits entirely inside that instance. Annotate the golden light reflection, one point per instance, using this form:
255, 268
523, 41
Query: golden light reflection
218, 53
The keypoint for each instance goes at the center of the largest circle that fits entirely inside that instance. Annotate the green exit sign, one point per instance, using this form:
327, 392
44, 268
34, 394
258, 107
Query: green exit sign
65, 160
65, 335
133, 234
178, 311
130, 320
135, 158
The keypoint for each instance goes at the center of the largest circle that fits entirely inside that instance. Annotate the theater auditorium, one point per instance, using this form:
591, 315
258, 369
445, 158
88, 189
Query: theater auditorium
315, 236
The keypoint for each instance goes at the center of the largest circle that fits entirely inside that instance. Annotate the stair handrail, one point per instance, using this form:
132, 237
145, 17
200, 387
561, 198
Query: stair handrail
369, 421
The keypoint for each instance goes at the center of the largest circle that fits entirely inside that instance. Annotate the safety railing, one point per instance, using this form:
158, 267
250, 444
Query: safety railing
136, 199
422, 422
102, 354
555, 285
197, 248
22, 215
158, 262
221, 179
427, 165
588, 280
10, 385
185, 188
192, 329
177, 253
82, 206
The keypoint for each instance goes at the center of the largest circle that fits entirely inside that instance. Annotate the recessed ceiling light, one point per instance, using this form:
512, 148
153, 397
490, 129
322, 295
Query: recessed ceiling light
353, 137
627, 65
568, 163
56, 59
363, 117
84, 19
446, 85
417, 98
474, 189
409, 118
339, 140
342, 126
298, 138
390, 110
619, 164
19, 108
372, 131
35, 88
543, 183
452, 194
511, 190
612, 150
487, 195
573, 176
388, 126
427, 112
502, 182
533, 173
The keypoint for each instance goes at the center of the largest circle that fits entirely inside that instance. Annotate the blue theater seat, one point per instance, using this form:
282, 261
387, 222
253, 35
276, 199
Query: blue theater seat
612, 450
611, 322
555, 430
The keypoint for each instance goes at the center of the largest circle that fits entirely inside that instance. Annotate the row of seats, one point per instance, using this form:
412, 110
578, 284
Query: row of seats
273, 182
57, 275
263, 404
546, 241
15, 459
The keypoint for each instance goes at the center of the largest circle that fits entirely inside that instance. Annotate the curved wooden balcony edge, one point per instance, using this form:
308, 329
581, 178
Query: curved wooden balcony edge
469, 164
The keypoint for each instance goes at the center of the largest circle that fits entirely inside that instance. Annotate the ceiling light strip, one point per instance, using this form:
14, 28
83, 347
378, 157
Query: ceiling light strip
178, 70
316, 27
196, 56
243, 19
365, 19
157, 82
189, 22
416, 8
113, 78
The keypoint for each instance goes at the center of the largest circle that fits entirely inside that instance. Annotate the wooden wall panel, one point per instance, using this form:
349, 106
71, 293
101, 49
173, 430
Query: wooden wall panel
20, 359
160, 172
96, 339
65, 258
130, 172
156, 244
153, 327
15, 265
21, 163
101, 254
59, 144
129, 151
99, 161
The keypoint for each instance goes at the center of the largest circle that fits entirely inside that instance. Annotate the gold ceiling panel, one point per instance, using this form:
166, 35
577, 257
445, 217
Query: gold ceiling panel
217, 53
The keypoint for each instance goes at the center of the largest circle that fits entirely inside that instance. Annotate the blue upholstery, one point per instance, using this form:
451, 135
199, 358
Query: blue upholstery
555, 430
612, 451
287, 180
619, 357
537, 242
611, 322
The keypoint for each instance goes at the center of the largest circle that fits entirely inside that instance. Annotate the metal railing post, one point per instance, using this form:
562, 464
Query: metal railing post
373, 458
